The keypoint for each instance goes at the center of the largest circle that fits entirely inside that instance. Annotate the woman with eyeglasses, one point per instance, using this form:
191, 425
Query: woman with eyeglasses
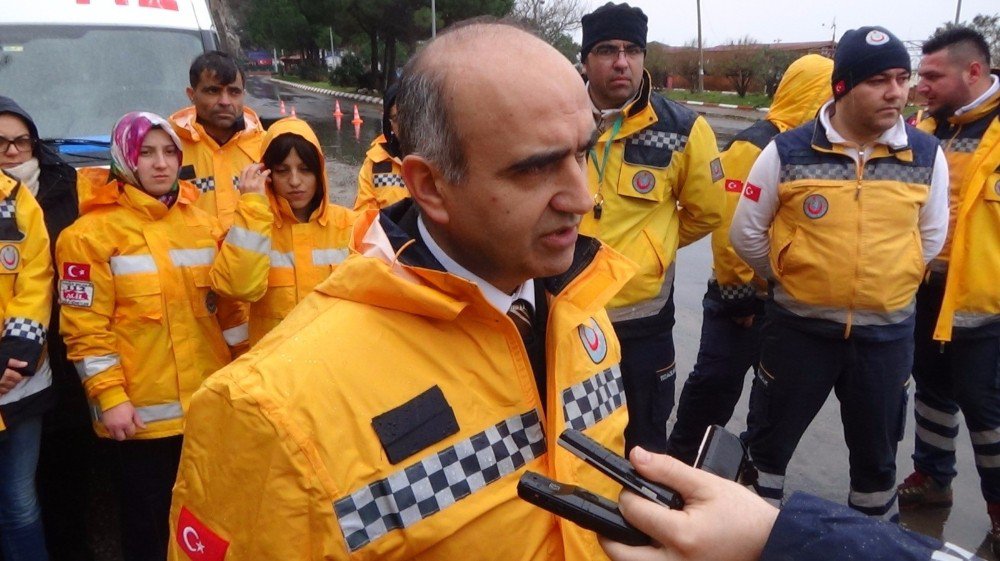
141, 322
66, 439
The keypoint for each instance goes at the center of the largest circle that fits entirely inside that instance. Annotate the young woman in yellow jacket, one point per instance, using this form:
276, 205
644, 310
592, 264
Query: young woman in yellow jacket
274, 266
141, 323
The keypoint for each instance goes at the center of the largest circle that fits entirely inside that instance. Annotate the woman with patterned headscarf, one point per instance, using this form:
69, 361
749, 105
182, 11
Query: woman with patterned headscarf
142, 326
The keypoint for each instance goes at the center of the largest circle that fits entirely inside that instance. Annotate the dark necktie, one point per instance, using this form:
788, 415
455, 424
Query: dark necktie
520, 313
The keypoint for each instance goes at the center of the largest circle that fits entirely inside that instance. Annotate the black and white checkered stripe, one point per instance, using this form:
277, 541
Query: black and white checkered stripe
388, 180
896, 172
659, 139
968, 145
25, 328
204, 184
236, 182
737, 291
439, 480
593, 399
792, 172
878, 171
7, 208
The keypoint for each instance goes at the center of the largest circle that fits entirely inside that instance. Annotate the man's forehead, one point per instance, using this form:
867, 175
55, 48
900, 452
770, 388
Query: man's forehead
615, 43
210, 77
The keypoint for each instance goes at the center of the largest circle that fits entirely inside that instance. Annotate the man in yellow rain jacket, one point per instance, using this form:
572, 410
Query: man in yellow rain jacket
957, 335
391, 414
841, 214
271, 258
733, 310
220, 136
380, 181
655, 177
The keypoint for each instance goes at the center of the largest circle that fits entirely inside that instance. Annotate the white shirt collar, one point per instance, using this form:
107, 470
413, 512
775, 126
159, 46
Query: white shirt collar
496, 297
994, 86
895, 137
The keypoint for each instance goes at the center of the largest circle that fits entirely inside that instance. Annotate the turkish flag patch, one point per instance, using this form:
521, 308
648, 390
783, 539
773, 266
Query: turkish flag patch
76, 271
734, 186
197, 541
752, 192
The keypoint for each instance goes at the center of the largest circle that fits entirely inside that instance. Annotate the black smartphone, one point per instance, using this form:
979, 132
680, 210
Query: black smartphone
722, 453
583, 508
617, 468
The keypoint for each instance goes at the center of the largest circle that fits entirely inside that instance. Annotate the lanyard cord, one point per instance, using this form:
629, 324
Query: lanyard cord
603, 164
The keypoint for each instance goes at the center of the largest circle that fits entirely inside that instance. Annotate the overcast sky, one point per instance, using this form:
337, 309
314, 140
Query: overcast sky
674, 22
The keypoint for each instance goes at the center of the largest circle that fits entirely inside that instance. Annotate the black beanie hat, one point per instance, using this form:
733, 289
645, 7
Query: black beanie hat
613, 21
863, 53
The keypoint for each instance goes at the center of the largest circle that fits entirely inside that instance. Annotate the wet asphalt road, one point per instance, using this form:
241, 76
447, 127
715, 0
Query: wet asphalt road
820, 463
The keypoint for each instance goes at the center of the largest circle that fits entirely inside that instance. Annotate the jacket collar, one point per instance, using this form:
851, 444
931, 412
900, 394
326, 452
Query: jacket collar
186, 125
895, 141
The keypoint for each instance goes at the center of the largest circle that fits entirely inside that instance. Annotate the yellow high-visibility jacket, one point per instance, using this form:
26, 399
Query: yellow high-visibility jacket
25, 300
214, 169
804, 87
396, 378
971, 143
380, 181
661, 188
271, 259
140, 319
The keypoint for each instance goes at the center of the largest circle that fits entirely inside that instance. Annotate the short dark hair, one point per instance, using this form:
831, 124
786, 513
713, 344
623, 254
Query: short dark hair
283, 144
966, 38
218, 63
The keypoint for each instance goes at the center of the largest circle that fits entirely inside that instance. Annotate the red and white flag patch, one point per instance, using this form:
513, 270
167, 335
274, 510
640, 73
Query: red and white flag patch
197, 541
76, 271
752, 192
734, 186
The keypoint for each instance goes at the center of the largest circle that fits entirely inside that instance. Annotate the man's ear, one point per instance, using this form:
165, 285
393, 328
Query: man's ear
977, 72
425, 184
190, 94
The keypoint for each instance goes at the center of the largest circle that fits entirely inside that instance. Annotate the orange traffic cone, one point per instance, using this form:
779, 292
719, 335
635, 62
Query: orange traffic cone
293, 111
357, 116
338, 118
282, 107
337, 112
357, 130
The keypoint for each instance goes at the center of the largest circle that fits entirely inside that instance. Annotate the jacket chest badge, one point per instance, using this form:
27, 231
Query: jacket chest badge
643, 182
996, 187
10, 257
594, 341
815, 206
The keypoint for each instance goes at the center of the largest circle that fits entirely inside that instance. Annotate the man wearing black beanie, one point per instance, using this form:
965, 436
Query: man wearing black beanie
656, 180
841, 215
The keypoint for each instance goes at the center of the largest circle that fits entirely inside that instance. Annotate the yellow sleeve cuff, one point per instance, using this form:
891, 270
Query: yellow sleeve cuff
112, 396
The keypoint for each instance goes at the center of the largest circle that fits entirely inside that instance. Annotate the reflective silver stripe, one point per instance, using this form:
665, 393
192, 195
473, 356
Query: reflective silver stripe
974, 319
329, 256
279, 259
951, 552
236, 335
871, 500
439, 480
94, 365
192, 257
935, 415
935, 439
161, 412
29, 385
132, 264
646, 308
248, 240
839, 315
590, 401
988, 461
770, 481
985, 437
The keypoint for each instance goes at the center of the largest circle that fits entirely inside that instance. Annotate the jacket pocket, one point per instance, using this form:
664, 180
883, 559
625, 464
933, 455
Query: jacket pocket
138, 297
204, 301
640, 183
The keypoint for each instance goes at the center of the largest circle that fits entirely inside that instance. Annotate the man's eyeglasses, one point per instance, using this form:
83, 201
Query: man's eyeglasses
22, 143
612, 52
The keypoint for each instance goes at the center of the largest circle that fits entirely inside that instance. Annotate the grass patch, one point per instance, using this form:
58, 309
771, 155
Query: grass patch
753, 100
325, 85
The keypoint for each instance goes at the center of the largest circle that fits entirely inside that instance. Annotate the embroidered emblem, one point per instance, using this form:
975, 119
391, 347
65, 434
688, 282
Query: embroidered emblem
716, 169
643, 182
594, 341
752, 192
211, 302
876, 38
734, 186
10, 257
815, 206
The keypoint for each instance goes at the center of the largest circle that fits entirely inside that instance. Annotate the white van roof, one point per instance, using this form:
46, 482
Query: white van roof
174, 14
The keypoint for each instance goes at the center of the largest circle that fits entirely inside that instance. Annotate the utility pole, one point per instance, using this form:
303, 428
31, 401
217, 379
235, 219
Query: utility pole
958, 12
434, 20
701, 54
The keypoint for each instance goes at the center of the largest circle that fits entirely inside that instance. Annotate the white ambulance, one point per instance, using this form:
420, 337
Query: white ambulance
78, 65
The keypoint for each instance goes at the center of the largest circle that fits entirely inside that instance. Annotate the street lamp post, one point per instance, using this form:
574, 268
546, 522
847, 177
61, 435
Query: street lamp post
701, 54
958, 11
434, 20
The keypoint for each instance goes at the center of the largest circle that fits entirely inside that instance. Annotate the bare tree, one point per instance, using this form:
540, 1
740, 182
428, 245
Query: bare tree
551, 18
742, 63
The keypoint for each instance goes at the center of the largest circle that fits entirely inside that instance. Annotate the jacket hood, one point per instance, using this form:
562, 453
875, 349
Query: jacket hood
280, 207
390, 267
96, 188
802, 91
187, 127
388, 137
46, 155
